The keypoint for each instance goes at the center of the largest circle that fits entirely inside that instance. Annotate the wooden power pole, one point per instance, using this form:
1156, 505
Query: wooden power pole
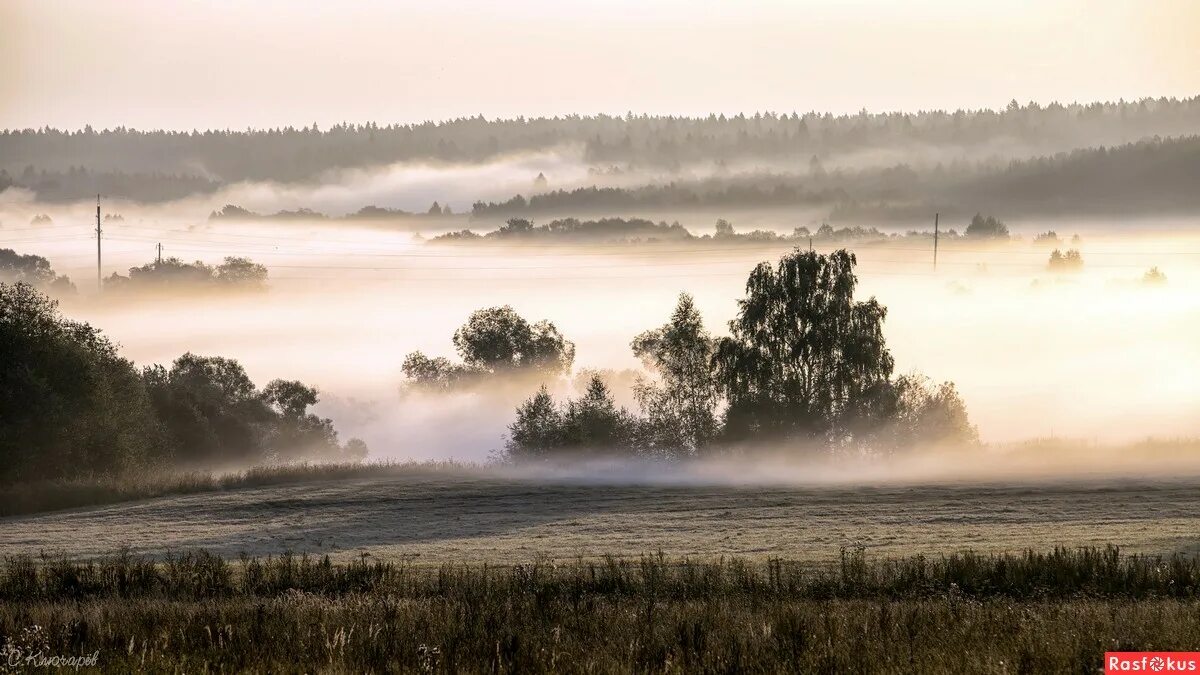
99, 282
935, 241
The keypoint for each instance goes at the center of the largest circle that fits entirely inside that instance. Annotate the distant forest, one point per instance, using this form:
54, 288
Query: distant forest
164, 165
1155, 175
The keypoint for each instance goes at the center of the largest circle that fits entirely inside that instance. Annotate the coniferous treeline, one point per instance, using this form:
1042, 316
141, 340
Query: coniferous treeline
158, 165
1149, 176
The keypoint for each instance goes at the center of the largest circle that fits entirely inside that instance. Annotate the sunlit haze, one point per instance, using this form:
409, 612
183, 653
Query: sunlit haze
228, 64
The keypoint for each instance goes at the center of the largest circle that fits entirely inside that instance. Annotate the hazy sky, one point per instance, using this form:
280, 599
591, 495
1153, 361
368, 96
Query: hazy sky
227, 63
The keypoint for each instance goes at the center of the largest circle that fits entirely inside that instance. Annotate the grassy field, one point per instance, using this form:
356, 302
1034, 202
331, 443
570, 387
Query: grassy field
452, 516
1031, 613
454, 570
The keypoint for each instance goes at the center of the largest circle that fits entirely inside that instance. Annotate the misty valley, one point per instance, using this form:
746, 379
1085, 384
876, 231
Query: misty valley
674, 393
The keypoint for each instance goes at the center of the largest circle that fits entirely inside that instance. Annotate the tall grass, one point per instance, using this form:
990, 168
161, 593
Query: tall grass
1063, 572
1034, 612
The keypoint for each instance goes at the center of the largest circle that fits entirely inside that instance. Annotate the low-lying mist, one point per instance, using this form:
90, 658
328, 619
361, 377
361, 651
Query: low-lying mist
1096, 354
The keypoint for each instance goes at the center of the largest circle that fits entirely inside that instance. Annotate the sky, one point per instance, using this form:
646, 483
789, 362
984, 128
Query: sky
231, 64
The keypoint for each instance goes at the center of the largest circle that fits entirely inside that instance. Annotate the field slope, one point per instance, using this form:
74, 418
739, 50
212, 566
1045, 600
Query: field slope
473, 518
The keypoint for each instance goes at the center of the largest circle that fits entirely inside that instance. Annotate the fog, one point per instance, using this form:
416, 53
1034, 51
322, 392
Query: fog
1095, 355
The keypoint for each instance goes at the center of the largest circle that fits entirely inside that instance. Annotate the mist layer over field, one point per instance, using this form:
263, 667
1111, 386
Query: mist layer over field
1095, 354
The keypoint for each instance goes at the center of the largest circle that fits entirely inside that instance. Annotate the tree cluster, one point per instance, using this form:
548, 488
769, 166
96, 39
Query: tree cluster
71, 406
172, 274
493, 342
33, 270
988, 227
638, 230
1071, 261
805, 366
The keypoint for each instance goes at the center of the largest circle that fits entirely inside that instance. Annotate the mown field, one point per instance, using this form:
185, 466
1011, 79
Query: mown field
478, 517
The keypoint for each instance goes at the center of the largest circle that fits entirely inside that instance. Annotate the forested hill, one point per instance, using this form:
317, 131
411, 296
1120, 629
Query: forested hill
290, 154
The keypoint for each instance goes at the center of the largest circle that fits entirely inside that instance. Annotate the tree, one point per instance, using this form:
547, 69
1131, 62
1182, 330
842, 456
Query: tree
537, 431
912, 412
680, 406
69, 404
297, 433
594, 423
435, 373
1071, 261
804, 358
242, 273
497, 339
211, 410
986, 228
33, 270
515, 226
724, 229
591, 424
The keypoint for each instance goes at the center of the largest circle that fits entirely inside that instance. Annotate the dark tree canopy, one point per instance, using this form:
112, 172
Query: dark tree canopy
69, 404
986, 228
803, 356
210, 408
33, 270
680, 403
590, 424
495, 341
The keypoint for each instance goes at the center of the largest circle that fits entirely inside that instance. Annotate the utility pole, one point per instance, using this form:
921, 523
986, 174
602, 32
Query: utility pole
935, 241
98, 233
158, 258
810, 243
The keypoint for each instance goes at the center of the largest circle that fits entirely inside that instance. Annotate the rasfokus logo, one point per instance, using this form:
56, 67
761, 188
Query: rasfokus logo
1151, 662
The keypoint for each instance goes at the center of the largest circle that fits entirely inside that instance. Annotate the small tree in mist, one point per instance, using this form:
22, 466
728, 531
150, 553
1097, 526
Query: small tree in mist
680, 403
594, 422
299, 434
1071, 261
913, 412
803, 357
590, 424
1154, 277
498, 339
988, 227
495, 341
536, 433
242, 273
1049, 238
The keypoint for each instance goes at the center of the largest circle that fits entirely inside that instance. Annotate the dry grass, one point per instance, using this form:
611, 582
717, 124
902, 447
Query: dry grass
1055, 612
